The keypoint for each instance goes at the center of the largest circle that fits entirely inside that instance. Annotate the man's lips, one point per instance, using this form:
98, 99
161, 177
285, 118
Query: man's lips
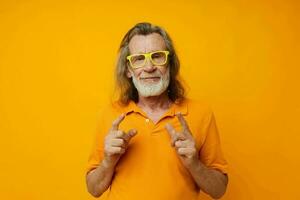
155, 77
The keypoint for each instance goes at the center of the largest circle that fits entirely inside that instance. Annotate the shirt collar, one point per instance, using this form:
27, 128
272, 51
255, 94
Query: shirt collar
175, 108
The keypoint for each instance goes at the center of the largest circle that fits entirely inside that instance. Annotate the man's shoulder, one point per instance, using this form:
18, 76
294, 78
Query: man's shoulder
110, 110
198, 105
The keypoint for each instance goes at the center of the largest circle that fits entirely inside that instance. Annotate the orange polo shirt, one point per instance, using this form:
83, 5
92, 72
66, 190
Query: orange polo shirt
150, 168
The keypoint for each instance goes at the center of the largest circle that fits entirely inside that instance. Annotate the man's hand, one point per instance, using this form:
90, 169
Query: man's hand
116, 142
211, 181
183, 142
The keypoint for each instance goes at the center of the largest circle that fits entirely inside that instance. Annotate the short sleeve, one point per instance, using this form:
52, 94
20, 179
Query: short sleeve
97, 150
210, 152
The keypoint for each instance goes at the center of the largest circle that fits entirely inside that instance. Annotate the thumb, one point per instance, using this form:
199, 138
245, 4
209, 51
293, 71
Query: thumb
130, 134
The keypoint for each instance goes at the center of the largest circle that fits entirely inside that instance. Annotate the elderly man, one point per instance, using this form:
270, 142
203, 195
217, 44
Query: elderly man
154, 143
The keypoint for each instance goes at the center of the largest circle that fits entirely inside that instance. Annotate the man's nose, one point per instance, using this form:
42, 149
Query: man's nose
149, 67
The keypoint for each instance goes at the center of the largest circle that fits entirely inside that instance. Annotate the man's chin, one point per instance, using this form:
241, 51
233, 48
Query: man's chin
150, 82
150, 92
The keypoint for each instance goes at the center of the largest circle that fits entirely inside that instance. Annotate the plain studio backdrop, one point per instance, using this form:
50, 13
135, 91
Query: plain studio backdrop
56, 71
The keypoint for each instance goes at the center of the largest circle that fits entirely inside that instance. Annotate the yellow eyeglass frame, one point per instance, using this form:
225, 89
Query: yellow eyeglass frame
148, 56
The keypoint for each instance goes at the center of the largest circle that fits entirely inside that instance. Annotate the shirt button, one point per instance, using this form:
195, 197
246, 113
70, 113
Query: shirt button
147, 120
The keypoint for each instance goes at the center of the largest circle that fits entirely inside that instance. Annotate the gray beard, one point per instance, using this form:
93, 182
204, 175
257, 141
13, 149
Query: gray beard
156, 89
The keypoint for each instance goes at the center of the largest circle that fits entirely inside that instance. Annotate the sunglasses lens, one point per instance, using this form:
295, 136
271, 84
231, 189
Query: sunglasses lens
159, 58
138, 60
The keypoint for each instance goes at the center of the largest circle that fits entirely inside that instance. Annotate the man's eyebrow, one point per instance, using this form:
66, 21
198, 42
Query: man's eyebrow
140, 52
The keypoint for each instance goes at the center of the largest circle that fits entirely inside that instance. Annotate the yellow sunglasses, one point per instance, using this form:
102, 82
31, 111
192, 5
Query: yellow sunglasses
156, 58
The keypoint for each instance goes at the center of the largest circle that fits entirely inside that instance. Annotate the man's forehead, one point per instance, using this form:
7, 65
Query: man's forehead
146, 43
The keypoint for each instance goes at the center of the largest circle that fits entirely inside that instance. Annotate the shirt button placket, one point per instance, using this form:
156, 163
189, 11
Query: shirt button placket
151, 127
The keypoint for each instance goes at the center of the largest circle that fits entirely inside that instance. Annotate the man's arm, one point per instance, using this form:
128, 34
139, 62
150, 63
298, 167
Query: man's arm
99, 179
211, 181
115, 144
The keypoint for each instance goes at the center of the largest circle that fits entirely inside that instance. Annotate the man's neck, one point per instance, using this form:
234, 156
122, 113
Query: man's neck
155, 103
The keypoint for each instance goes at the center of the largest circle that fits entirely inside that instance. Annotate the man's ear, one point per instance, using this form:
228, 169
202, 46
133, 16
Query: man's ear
128, 73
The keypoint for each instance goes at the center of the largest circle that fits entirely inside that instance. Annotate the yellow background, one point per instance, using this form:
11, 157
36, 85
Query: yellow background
56, 68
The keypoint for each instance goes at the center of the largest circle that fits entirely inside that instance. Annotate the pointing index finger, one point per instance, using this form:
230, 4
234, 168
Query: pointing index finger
174, 136
170, 130
116, 123
182, 121
186, 130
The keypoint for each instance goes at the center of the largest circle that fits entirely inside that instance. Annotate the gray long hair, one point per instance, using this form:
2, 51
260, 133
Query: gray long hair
124, 86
